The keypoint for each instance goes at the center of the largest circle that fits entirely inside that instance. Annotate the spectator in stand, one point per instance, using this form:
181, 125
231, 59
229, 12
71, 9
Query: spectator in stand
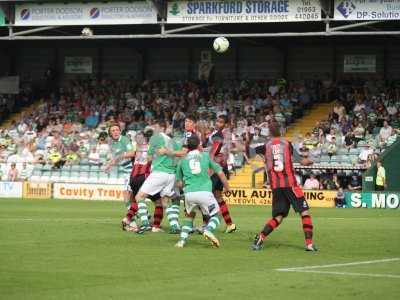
354, 184
12, 173
331, 147
340, 198
312, 183
365, 152
26, 172
385, 133
349, 140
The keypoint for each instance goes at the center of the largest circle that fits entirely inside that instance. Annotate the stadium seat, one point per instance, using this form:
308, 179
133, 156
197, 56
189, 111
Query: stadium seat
355, 151
343, 151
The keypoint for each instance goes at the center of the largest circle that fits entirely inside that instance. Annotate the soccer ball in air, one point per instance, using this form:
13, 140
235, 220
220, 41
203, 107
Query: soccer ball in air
221, 44
87, 31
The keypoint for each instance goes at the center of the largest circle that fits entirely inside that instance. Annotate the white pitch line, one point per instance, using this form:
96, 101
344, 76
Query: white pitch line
338, 265
343, 273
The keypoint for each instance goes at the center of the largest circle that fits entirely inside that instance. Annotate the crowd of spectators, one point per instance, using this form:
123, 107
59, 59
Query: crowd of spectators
71, 128
365, 117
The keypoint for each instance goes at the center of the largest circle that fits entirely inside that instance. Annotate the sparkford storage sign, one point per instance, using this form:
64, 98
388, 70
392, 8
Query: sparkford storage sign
96, 13
317, 198
240, 11
360, 10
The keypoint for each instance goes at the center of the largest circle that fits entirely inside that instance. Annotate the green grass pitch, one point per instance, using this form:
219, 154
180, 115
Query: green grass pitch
53, 249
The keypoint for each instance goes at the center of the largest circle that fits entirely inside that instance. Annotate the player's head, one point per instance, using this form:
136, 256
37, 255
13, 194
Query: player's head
190, 122
221, 122
193, 142
274, 129
148, 132
159, 125
114, 131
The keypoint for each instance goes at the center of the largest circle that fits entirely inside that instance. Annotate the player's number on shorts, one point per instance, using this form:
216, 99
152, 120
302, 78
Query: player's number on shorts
278, 164
194, 166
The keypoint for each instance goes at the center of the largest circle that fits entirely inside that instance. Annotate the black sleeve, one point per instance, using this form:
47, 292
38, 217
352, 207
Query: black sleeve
260, 149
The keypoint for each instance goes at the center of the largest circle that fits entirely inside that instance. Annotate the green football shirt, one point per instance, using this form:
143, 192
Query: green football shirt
193, 171
162, 163
120, 146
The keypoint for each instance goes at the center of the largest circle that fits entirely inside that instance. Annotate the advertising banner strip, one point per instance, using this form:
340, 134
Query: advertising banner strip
88, 191
96, 13
37, 190
367, 10
373, 200
317, 198
239, 11
10, 189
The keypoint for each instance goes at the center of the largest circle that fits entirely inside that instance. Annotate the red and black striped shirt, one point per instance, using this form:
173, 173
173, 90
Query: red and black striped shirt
279, 166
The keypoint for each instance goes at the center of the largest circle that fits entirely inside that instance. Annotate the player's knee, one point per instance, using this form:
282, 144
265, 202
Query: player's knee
279, 218
305, 213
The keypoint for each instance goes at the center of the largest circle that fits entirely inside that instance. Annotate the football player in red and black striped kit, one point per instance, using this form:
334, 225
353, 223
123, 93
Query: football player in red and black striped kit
219, 152
286, 192
140, 170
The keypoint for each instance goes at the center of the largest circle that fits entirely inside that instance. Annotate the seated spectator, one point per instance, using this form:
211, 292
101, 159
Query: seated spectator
340, 199
385, 132
359, 132
12, 173
349, 140
26, 172
331, 147
365, 152
354, 184
312, 183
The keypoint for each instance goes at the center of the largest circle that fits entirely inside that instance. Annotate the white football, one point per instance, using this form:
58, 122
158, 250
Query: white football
221, 44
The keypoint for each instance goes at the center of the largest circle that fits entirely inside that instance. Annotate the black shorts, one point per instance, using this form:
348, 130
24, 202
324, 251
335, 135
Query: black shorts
282, 198
136, 182
217, 184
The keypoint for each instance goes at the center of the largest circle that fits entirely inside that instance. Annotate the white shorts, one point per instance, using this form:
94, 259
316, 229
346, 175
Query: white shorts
159, 182
204, 200
127, 186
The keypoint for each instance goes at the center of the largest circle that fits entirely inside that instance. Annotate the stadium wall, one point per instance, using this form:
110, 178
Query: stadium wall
172, 59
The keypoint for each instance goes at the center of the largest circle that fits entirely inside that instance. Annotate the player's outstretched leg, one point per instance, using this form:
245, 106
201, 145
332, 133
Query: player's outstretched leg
308, 227
230, 226
133, 208
269, 226
212, 224
187, 227
173, 217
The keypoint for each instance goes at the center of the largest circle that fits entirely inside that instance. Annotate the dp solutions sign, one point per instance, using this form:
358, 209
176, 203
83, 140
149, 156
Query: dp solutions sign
373, 200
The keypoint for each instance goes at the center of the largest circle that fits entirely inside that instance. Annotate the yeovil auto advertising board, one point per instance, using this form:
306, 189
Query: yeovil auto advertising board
240, 11
364, 10
96, 13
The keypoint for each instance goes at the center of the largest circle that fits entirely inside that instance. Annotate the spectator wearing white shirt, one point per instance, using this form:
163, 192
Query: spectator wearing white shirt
312, 183
365, 152
385, 132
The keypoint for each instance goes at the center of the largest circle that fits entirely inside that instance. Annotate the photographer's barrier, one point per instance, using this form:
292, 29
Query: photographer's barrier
88, 191
10, 189
315, 198
373, 200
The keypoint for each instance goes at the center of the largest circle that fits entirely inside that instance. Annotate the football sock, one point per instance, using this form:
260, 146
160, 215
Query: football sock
225, 212
205, 219
143, 212
268, 228
132, 210
307, 228
158, 216
213, 223
173, 215
187, 227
